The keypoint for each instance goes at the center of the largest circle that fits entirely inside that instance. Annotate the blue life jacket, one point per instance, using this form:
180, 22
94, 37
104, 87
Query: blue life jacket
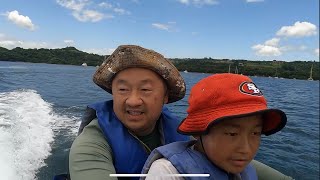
189, 161
129, 155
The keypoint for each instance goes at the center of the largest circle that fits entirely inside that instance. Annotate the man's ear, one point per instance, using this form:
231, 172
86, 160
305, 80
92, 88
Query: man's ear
166, 99
166, 96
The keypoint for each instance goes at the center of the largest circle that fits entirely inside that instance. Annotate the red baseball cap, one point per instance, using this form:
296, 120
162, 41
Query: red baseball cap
226, 96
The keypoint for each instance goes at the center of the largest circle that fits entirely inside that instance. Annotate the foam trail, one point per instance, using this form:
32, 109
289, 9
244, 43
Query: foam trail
26, 122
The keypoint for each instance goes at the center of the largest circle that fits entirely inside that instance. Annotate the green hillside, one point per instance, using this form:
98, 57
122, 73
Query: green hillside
73, 56
68, 55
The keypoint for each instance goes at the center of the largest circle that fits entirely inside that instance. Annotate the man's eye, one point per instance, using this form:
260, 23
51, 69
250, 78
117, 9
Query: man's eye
146, 89
258, 133
231, 133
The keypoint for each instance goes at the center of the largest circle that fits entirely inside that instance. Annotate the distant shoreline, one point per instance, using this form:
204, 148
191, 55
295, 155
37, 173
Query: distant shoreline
72, 56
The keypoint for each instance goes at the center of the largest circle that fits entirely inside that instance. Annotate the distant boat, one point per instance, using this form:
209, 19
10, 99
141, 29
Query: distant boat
185, 71
310, 78
84, 64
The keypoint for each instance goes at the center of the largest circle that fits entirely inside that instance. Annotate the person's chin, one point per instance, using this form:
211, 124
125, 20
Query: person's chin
134, 125
237, 166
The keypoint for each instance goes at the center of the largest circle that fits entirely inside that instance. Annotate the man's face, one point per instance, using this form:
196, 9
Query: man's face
232, 144
138, 98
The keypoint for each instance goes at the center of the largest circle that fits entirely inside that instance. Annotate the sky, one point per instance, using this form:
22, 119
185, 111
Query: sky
286, 30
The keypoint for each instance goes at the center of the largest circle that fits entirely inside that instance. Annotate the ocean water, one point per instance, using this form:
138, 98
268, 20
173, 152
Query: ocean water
41, 107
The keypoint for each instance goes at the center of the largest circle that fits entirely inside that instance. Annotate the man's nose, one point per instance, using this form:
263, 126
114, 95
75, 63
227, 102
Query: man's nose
134, 99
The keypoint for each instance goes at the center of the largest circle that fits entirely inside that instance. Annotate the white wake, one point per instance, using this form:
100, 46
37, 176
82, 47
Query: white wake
27, 125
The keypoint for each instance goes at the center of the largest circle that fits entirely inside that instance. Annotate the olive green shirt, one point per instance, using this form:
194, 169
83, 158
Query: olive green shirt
90, 155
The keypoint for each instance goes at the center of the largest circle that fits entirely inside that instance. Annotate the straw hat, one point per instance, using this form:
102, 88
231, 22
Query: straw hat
129, 56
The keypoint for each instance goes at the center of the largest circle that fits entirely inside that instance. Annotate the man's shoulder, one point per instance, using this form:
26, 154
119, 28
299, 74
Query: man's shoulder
91, 138
92, 129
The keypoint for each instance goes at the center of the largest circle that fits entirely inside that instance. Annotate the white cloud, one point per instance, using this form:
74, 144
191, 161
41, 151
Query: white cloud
103, 51
184, 1
269, 48
265, 50
299, 29
105, 5
10, 43
81, 11
121, 11
76, 5
69, 42
199, 2
253, 1
170, 26
272, 42
20, 20
316, 52
161, 26
117, 10
89, 15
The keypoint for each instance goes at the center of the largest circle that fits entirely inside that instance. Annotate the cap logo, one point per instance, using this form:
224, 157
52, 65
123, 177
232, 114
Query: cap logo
250, 88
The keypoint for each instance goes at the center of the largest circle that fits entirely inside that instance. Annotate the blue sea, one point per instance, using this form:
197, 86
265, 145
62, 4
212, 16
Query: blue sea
41, 106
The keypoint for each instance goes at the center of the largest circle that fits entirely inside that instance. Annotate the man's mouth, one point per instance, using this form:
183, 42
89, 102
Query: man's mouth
134, 113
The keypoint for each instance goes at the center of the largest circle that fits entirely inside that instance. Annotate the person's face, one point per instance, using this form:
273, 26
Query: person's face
138, 98
232, 144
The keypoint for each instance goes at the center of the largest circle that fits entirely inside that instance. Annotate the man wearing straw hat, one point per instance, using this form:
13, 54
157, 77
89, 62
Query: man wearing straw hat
127, 128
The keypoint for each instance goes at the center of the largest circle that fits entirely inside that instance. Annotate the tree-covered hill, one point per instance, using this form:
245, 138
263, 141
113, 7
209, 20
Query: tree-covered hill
73, 56
68, 55
296, 69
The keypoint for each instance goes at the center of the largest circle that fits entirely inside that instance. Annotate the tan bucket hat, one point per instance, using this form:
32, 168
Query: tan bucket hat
128, 56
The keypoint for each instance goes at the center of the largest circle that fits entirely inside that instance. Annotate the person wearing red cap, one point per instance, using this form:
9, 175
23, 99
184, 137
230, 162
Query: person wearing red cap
227, 115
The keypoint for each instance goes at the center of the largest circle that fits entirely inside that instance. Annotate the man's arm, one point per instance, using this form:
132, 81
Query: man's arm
90, 155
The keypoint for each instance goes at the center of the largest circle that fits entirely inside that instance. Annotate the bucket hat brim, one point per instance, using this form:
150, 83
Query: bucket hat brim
273, 119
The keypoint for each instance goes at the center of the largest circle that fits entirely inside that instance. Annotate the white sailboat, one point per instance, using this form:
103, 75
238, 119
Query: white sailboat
84, 64
310, 78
